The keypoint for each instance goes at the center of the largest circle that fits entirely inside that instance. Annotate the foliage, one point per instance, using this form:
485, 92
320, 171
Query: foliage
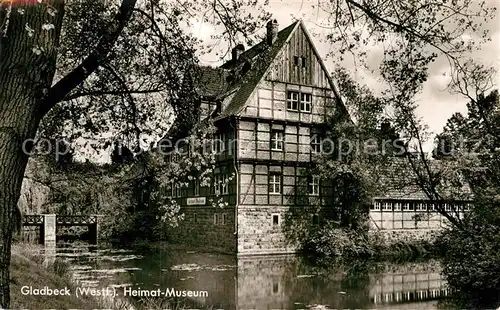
471, 258
470, 255
353, 154
333, 242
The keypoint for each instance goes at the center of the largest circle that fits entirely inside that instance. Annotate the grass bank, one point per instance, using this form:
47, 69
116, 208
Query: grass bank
27, 270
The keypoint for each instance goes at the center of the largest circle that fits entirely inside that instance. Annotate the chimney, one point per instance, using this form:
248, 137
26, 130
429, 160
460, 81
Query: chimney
237, 51
272, 31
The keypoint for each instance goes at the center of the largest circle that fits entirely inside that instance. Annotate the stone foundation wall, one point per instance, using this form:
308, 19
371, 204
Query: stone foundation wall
201, 228
391, 236
259, 234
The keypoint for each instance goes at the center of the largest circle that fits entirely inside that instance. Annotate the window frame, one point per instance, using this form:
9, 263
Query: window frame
196, 185
176, 190
218, 143
220, 219
397, 206
303, 103
273, 216
313, 185
277, 140
290, 101
275, 183
316, 144
224, 186
217, 185
387, 206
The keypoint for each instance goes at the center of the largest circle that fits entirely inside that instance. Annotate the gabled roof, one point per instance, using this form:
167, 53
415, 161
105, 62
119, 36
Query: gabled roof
234, 82
242, 76
213, 81
396, 179
260, 58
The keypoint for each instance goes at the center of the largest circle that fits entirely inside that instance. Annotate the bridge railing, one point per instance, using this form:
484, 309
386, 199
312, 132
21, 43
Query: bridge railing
65, 220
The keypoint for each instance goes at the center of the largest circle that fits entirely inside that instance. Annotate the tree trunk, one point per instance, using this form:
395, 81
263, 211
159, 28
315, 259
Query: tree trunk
28, 50
12, 166
27, 66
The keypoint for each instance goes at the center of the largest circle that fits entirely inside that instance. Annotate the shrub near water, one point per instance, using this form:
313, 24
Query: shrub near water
471, 259
331, 241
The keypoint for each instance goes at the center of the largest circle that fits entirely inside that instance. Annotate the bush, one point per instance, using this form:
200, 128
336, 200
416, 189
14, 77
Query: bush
471, 263
333, 242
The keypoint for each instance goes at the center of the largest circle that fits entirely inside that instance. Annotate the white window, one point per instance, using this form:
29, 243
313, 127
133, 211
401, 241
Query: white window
275, 183
305, 102
387, 206
277, 140
224, 184
421, 207
292, 101
397, 206
221, 184
316, 144
217, 184
406, 206
376, 206
313, 184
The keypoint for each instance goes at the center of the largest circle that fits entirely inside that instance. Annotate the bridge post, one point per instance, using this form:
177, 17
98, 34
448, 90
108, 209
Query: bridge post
49, 230
94, 232
41, 238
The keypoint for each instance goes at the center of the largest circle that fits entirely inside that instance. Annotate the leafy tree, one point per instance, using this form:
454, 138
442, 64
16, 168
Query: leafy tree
100, 59
470, 257
349, 164
95, 66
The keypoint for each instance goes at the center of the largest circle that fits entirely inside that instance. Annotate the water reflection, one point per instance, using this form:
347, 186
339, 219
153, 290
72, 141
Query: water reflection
266, 282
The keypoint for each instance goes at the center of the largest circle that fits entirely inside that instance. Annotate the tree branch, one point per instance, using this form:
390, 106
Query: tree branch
91, 63
112, 92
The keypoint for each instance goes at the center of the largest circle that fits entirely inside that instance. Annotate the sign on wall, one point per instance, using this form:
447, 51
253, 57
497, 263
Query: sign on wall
195, 201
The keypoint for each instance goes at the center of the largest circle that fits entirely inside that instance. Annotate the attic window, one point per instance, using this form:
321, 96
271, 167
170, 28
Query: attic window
292, 101
296, 60
303, 61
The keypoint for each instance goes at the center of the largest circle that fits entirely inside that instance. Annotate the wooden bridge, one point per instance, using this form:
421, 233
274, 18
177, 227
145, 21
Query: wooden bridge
48, 225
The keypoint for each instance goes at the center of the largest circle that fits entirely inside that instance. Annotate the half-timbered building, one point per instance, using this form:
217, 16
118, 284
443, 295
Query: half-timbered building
268, 103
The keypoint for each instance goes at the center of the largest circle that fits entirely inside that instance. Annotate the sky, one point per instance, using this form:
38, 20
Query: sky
436, 104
